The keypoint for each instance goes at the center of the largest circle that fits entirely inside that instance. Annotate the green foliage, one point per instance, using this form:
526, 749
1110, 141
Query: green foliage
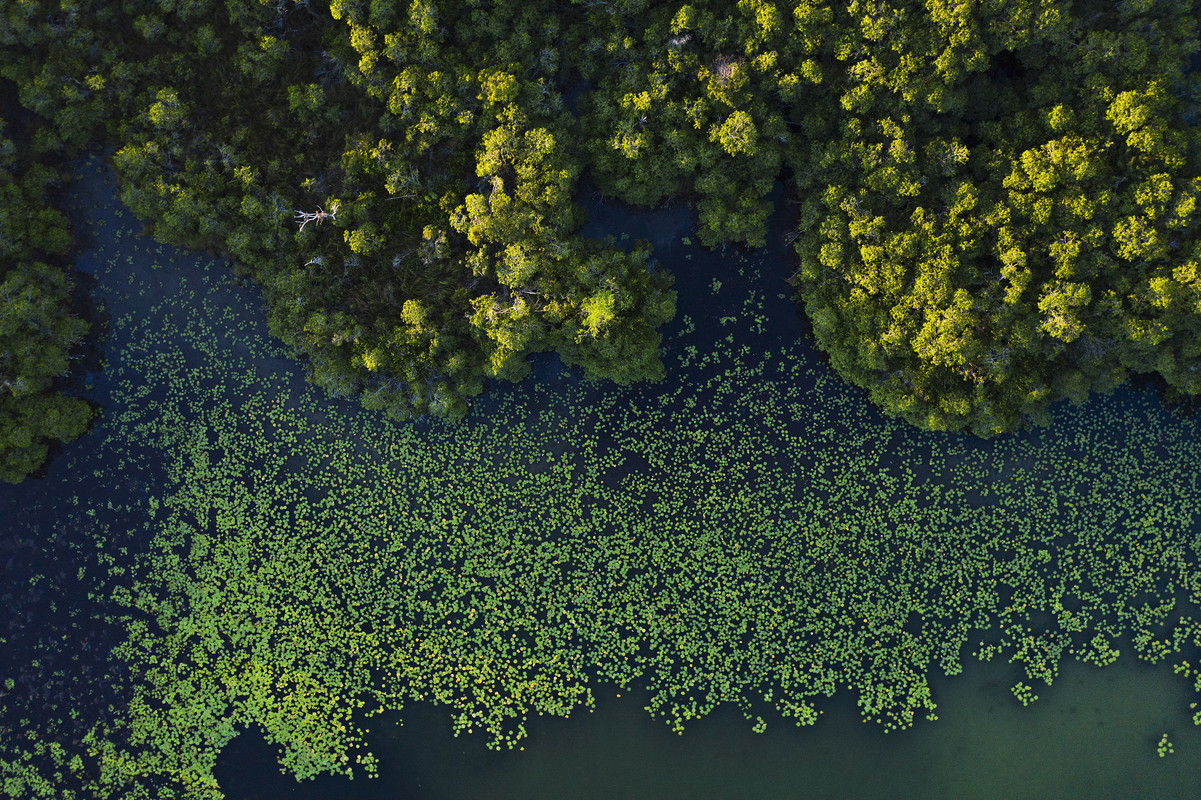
37, 327
996, 211
996, 200
969, 263
312, 566
686, 102
445, 150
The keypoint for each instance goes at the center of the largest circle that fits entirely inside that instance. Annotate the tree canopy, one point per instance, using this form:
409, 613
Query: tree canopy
996, 199
38, 329
1000, 210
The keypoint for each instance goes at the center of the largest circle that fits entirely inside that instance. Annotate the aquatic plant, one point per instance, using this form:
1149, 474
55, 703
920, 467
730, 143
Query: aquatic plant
1024, 693
750, 532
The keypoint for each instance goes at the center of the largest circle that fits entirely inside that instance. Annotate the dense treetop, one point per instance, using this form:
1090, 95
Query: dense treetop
996, 199
37, 329
1000, 210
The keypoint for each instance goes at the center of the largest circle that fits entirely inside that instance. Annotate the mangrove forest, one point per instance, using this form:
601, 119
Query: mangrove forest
358, 356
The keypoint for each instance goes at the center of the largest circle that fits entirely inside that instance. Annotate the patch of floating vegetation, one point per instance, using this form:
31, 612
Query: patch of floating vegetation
748, 532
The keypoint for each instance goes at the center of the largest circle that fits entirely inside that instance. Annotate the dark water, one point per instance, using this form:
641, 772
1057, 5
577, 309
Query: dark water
1092, 734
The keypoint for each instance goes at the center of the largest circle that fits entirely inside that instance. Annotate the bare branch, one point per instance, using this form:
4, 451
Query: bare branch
316, 217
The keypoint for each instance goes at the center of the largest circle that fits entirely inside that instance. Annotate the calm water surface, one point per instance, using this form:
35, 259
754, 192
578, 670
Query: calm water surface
1091, 735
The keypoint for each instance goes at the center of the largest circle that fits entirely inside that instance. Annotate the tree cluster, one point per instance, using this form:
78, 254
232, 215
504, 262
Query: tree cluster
691, 99
996, 199
397, 177
999, 205
38, 328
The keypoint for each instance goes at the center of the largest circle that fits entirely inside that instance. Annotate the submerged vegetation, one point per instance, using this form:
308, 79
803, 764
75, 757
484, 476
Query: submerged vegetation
752, 534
